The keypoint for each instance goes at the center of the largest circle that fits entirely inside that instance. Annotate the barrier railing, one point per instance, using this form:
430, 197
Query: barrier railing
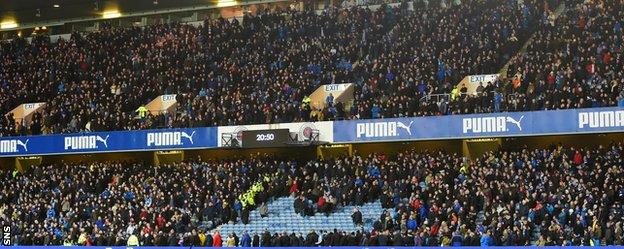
447, 96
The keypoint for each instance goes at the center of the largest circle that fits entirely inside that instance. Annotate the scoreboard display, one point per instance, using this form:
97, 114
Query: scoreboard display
265, 138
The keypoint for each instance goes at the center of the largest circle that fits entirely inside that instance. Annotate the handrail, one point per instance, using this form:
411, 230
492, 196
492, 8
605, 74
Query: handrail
438, 96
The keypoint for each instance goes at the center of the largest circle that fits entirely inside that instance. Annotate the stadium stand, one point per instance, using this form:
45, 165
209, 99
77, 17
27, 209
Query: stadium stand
259, 70
550, 196
392, 182
574, 62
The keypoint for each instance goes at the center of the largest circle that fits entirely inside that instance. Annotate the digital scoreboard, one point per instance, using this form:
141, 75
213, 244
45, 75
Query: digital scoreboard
266, 138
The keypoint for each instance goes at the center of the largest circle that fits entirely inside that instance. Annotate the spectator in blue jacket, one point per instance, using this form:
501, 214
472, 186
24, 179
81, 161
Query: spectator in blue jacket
245, 240
412, 224
486, 239
457, 239
329, 100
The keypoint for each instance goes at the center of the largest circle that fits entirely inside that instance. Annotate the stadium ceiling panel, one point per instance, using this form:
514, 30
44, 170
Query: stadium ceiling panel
37, 11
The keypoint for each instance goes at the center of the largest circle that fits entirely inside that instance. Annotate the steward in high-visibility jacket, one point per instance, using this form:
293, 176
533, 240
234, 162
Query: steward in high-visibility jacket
306, 100
454, 93
133, 240
68, 242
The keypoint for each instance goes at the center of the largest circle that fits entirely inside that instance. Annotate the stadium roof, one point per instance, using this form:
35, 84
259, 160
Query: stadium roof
38, 11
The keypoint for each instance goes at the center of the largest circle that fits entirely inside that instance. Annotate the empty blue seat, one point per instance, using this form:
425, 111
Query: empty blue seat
282, 218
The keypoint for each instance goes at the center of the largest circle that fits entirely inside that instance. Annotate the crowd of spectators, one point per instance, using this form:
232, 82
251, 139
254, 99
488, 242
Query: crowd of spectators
571, 196
551, 196
575, 61
259, 70
104, 203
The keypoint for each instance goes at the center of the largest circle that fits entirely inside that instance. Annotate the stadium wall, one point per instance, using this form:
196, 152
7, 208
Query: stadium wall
578, 140
303, 153
451, 146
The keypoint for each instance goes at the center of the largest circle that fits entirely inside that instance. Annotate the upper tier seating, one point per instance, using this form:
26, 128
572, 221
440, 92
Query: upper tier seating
261, 69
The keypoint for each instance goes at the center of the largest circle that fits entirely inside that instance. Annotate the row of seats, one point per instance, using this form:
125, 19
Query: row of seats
282, 218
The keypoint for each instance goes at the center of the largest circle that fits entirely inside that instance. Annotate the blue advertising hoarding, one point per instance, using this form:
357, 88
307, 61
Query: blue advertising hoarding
506, 124
115, 141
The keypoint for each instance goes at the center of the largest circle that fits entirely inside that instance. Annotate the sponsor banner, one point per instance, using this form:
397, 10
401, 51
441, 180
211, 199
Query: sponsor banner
117, 141
594, 120
303, 130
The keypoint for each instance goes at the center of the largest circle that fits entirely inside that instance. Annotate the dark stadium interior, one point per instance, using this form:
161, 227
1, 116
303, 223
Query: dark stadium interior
217, 127
26, 10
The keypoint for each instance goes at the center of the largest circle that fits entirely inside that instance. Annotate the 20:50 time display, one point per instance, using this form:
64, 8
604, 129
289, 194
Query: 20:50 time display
265, 137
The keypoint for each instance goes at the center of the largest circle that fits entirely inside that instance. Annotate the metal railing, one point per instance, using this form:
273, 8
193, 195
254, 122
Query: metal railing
435, 96
447, 96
